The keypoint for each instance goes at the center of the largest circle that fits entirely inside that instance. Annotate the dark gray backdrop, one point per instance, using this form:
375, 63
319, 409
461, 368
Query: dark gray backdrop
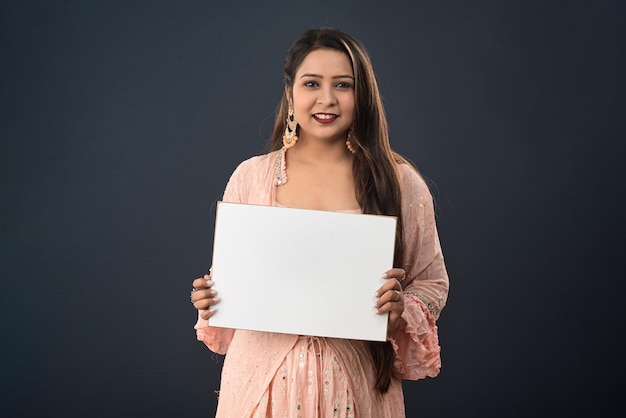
121, 122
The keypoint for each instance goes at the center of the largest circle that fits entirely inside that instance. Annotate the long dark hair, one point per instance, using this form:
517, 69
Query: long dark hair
376, 181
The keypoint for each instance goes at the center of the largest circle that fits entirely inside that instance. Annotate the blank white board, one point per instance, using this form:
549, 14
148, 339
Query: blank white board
300, 271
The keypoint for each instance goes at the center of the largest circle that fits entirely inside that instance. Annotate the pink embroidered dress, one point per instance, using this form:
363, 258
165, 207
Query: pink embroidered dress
281, 375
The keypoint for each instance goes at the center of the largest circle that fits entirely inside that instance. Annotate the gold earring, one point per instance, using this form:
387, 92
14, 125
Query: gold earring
349, 144
290, 138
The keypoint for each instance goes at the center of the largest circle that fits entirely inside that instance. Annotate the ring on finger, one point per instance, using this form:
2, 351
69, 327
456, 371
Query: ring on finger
398, 296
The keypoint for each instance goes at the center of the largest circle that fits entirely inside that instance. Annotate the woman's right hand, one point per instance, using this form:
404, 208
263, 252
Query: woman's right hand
204, 297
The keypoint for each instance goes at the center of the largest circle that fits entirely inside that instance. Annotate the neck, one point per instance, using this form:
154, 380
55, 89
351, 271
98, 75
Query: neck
320, 151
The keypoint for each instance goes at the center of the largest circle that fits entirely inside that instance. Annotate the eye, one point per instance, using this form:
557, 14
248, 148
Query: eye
310, 83
344, 85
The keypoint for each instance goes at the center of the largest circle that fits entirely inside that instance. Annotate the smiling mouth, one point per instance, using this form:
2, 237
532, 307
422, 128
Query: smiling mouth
325, 117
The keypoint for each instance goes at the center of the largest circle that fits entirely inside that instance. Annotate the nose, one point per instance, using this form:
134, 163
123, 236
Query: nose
327, 96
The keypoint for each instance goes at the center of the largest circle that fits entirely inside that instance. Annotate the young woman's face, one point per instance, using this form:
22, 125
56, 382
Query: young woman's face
323, 96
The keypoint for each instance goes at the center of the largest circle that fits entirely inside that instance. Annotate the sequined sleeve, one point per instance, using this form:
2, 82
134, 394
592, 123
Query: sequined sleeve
426, 285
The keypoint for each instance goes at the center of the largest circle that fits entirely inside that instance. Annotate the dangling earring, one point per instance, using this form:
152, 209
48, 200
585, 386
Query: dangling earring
290, 138
349, 144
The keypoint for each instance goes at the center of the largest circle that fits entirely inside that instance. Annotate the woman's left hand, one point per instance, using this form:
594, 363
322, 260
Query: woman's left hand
389, 298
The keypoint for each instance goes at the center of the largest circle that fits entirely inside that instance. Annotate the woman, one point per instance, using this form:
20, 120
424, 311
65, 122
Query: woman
330, 151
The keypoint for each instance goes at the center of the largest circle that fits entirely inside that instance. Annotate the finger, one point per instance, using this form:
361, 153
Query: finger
203, 283
206, 314
395, 273
202, 299
200, 294
204, 304
392, 296
391, 284
390, 307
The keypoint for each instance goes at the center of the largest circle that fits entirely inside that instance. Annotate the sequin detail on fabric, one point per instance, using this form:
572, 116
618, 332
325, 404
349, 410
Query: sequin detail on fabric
280, 168
309, 383
430, 306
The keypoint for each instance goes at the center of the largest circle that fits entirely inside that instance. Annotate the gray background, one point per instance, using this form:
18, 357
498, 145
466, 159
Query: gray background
120, 123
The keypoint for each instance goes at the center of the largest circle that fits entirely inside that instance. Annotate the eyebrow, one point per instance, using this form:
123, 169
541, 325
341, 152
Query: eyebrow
319, 76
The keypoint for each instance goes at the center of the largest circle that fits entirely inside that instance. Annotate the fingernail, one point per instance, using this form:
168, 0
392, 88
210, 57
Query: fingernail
377, 294
213, 292
215, 300
209, 282
384, 276
211, 310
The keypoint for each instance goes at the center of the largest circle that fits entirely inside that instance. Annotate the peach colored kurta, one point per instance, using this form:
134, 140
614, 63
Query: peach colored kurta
280, 375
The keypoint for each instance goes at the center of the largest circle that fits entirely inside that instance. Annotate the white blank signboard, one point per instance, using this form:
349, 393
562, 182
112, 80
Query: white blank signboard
299, 271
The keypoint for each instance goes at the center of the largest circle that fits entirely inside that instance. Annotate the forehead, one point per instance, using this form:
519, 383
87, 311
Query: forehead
325, 61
